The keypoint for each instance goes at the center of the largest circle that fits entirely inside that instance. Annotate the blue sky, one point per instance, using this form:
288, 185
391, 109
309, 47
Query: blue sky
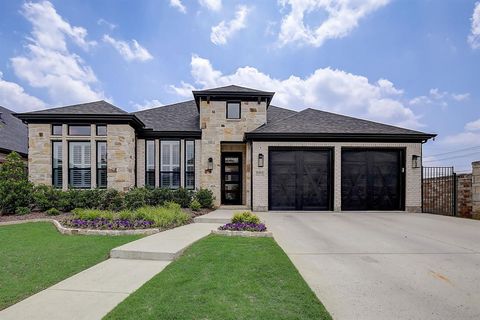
409, 63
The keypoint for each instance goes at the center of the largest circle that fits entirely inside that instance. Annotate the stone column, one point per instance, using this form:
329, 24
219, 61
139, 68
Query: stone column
476, 190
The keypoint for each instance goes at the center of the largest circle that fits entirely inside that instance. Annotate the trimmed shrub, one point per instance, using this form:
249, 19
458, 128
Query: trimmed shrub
245, 217
46, 197
92, 198
112, 200
52, 212
195, 205
136, 198
205, 198
158, 196
64, 202
22, 211
182, 196
15, 189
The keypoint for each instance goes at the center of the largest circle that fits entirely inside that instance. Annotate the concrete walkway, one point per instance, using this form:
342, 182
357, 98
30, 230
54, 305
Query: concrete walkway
92, 293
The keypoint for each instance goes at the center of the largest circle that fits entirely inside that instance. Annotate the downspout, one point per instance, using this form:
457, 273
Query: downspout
251, 175
136, 156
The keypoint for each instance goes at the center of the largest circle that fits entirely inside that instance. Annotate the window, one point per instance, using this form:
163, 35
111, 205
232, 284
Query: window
57, 129
79, 166
79, 130
101, 164
101, 130
190, 164
57, 179
150, 163
170, 164
233, 110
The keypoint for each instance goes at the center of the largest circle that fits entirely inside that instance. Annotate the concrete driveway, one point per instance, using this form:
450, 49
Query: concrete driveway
385, 265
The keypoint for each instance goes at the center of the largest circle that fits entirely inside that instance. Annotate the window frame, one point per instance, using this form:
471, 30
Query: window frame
101, 125
239, 110
160, 157
70, 186
79, 125
97, 163
53, 131
60, 168
146, 163
186, 166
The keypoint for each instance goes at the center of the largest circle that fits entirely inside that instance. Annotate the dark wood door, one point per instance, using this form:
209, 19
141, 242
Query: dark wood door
372, 179
232, 178
300, 179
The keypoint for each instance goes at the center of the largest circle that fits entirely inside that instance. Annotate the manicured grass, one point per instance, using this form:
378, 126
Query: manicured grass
225, 278
34, 256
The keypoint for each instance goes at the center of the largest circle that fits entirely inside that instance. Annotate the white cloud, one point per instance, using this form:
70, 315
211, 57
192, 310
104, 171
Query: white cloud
222, 32
130, 52
462, 139
14, 97
328, 89
342, 18
474, 37
438, 97
178, 5
473, 126
214, 5
49, 64
460, 96
109, 25
147, 104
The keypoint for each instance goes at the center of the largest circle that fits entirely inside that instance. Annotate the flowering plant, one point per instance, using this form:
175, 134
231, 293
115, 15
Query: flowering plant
107, 224
244, 226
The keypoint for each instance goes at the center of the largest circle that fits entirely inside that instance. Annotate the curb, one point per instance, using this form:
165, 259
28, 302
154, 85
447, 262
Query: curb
86, 232
248, 234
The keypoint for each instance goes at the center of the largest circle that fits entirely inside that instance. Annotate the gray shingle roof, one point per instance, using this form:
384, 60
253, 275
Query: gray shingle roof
96, 107
233, 88
13, 132
320, 122
276, 113
181, 116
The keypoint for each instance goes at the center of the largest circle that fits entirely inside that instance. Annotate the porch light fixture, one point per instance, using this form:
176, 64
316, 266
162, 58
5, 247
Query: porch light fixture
415, 161
260, 160
210, 164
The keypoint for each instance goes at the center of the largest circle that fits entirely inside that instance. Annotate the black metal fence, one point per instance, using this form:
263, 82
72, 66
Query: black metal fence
439, 190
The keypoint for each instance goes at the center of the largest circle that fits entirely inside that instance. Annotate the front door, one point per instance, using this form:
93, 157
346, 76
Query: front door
232, 178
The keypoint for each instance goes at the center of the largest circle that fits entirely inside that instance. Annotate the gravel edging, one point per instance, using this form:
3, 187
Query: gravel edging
251, 234
88, 232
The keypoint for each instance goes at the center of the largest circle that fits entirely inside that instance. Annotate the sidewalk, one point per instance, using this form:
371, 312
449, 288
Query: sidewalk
92, 293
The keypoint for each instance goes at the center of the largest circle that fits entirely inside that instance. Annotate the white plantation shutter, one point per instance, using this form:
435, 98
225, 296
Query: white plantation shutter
170, 164
79, 164
57, 164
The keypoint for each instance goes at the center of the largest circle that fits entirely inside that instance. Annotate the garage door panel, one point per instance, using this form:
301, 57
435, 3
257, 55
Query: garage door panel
371, 180
299, 180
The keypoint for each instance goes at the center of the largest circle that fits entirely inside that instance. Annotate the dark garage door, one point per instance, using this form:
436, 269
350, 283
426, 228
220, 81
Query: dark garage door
372, 179
300, 179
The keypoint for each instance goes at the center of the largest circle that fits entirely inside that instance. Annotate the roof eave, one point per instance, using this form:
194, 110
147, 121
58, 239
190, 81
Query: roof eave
266, 136
231, 95
109, 118
148, 133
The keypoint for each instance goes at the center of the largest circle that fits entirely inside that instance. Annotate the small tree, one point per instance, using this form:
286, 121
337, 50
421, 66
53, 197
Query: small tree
15, 189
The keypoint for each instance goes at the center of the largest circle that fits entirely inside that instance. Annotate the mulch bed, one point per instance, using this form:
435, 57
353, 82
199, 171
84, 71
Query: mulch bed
64, 216
34, 215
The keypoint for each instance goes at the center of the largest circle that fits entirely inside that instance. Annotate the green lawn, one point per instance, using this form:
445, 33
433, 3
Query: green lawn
225, 278
34, 256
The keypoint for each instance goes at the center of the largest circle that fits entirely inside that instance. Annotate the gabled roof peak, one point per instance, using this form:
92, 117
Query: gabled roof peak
232, 92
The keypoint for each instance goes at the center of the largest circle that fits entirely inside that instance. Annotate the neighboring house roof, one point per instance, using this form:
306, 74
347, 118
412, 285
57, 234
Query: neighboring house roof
13, 133
95, 107
316, 123
182, 116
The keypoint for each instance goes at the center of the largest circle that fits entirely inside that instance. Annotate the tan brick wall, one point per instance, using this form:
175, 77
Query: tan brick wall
120, 156
476, 190
216, 128
413, 175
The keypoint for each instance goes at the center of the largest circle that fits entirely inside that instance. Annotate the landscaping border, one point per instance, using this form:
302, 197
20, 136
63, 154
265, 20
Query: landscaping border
87, 232
252, 234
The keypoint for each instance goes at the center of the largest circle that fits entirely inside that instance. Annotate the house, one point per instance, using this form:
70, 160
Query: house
232, 141
13, 135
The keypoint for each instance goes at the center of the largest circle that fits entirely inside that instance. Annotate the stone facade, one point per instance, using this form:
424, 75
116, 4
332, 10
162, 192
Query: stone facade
218, 130
476, 190
120, 154
413, 198
464, 195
